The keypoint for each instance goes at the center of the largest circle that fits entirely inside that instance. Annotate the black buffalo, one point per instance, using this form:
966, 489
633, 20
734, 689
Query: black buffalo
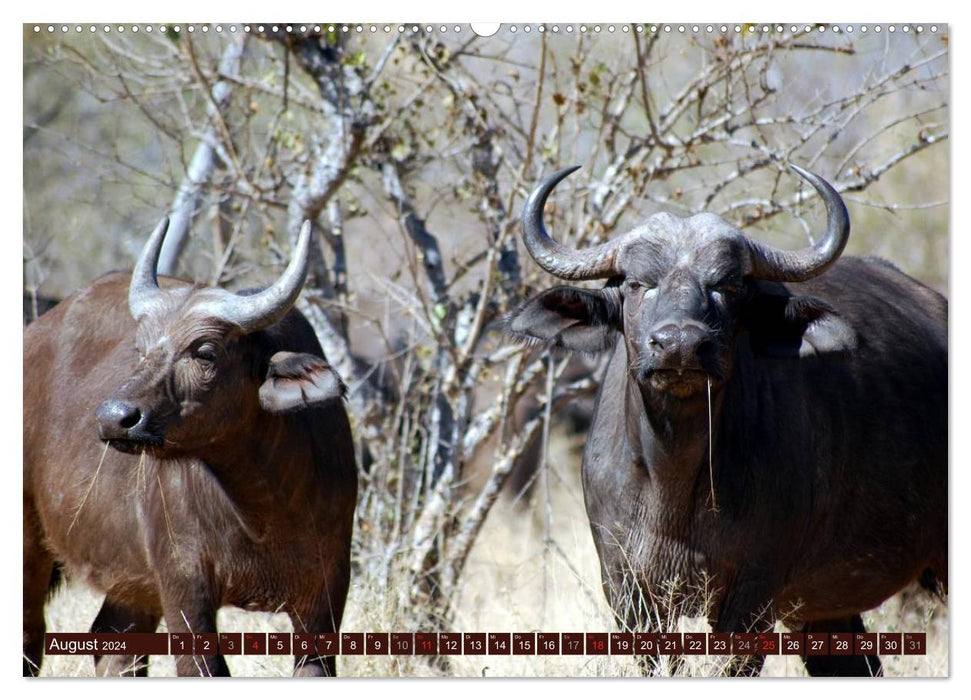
185, 448
771, 428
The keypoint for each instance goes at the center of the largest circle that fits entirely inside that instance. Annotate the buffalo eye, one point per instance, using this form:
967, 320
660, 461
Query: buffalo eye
726, 288
204, 352
634, 286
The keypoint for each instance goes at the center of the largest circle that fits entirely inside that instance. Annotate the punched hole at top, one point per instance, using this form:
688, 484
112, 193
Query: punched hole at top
485, 28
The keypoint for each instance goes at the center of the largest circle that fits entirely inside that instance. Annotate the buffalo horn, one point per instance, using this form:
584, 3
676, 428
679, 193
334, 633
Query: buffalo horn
257, 311
796, 266
592, 263
144, 290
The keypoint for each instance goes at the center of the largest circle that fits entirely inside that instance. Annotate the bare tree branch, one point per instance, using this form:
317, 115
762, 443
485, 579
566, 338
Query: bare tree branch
204, 160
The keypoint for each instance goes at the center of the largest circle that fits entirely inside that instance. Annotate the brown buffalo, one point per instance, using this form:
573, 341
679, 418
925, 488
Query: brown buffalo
185, 448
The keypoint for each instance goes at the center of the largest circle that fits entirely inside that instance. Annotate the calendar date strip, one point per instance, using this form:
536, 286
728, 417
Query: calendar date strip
489, 643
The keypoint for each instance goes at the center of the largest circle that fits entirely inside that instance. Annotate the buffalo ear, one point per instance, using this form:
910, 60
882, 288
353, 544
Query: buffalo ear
782, 325
568, 317
295, 381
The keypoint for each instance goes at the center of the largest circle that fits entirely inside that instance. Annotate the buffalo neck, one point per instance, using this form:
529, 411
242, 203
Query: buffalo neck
671, 436
262, 477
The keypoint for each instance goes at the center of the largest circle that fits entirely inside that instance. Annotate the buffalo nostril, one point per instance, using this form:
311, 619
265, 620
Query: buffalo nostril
131, 419
679, 344
117, 417
663, 337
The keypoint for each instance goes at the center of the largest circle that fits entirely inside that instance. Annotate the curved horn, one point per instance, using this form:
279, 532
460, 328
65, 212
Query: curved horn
144, 290
797, 266
255, 312
588, 264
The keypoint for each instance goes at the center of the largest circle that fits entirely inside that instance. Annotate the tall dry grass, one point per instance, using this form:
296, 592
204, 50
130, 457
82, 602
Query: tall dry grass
534, 568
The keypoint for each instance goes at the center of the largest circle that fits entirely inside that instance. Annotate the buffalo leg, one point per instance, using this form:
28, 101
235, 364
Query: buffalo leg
841, 665
315, 665
745, 665
743, 610
635, 611
195, 614
38, 567
326, 617
116, 617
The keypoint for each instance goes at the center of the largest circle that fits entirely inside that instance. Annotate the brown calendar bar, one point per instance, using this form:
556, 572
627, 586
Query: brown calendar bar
254, 643
328, 643
230, 643
523, 643
304, 643
670, 643
352, 644
474, 643
450, 643
548, 644
597, 643
645, 643
426, 643
865, 643
694, 643
403, 643
915, 643
817, 644
492, 643
571, 643
743, 643
621, 643
106, 644
891, 643
205, 644
181, 643
377, 644
719, 644
279, 644
793, 643
500, 643
767, 643
841, 644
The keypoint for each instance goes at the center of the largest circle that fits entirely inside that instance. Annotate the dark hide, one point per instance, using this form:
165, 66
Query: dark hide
233, 480
827, 488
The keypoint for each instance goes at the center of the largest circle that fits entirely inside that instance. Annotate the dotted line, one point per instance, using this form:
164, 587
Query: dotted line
511, 28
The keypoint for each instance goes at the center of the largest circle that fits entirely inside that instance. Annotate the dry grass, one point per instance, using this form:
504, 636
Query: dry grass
533, 569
